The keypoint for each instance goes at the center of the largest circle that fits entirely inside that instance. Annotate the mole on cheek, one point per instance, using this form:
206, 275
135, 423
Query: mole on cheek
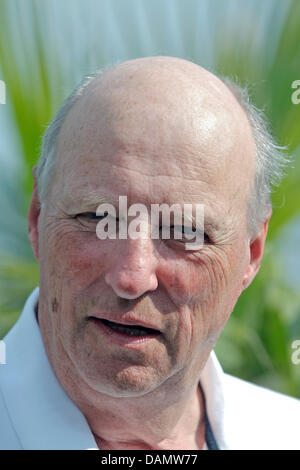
54, 305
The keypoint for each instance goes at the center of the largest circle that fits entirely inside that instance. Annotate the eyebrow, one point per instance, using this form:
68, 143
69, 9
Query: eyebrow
85, 201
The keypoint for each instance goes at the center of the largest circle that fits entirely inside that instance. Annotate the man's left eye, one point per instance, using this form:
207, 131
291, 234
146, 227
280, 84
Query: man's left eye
186, 233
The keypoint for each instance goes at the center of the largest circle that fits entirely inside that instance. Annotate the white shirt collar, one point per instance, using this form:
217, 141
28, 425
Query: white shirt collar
43, 415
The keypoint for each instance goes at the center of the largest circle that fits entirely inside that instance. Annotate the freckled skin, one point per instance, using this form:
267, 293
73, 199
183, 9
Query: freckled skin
157, 130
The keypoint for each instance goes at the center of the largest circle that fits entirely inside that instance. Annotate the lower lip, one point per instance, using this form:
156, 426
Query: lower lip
122, 339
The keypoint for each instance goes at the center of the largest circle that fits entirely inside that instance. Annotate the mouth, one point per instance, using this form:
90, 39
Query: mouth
136, 331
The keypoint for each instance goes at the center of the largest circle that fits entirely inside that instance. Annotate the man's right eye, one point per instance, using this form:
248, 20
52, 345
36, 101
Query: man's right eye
91, 216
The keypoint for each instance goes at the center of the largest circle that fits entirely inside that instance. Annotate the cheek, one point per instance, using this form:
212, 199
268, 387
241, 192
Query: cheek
223, 274
205, 289
192, 281
69, 264
73, 259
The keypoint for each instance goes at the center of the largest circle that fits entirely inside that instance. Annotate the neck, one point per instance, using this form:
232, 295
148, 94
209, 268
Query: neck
124, 424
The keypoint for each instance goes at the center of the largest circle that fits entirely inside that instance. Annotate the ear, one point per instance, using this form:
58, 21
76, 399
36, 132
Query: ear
256, 247
33, 218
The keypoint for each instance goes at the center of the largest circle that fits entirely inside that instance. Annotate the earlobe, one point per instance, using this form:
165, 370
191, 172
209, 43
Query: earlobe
256, 247
33, 218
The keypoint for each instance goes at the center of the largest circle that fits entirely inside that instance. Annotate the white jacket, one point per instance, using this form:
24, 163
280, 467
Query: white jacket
36, 413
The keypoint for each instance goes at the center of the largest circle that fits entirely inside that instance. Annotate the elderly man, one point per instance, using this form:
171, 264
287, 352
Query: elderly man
115, 349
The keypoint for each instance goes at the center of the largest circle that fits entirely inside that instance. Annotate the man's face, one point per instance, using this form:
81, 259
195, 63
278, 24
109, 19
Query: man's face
154, 146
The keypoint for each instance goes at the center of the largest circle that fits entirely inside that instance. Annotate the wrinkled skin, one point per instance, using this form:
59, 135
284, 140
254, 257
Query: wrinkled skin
158, 130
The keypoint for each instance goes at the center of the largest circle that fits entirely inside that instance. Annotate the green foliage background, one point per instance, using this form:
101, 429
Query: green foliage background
45, 49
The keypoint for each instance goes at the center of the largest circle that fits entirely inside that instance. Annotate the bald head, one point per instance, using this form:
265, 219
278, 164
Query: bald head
171, 92
172, 99
163, 104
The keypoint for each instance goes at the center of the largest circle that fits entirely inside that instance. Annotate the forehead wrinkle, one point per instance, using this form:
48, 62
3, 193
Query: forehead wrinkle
150, 170
134, 189
92, 197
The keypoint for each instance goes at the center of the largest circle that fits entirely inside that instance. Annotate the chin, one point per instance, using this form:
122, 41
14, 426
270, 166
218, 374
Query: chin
128, 381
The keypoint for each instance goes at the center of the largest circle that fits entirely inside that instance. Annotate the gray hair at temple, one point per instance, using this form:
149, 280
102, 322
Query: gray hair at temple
270, 158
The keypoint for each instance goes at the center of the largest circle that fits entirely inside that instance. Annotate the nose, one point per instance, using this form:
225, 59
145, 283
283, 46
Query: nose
134, 271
